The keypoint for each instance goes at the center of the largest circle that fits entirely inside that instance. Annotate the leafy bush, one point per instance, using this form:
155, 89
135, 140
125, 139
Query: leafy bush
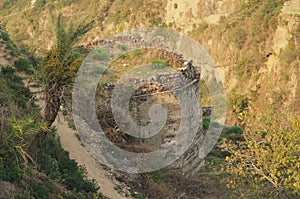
20, 95
242, 67
155, 21
77, 54
23, 64
99, 70
4, 36
158, 64
238, 37
40, 190
8, 3
10, 171
16, 135
137, 52
100, 54
266, 161
238, 103
55, 162
206, 122
8, 43
158, 175
292, 51
121, 47
236, 130
15, 158
234, 133
40, 3
271, 9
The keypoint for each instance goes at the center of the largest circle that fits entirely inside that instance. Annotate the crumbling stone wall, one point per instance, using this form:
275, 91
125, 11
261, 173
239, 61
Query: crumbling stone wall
190, 162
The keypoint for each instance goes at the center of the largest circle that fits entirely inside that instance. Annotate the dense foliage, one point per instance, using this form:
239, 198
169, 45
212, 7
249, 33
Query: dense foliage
50, 173
265, 163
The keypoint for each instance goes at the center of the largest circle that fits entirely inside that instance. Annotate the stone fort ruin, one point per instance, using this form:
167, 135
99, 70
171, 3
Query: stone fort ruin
150, 91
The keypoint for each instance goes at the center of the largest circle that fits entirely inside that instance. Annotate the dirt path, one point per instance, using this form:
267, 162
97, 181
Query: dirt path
77, 152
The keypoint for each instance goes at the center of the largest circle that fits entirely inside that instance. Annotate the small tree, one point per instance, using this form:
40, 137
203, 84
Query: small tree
266, 163
60, 67
58, 71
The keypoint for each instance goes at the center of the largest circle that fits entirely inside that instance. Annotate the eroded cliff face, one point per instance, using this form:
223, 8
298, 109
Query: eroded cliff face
252, 43
279, 80
188, 14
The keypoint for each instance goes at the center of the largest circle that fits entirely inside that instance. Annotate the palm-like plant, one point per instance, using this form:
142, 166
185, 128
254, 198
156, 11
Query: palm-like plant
58, 70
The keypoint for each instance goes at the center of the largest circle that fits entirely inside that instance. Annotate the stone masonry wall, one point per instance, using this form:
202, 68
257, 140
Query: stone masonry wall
190, 162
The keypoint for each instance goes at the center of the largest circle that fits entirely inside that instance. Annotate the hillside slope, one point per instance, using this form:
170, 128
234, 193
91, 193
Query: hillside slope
71, 143
254, 43
39, 175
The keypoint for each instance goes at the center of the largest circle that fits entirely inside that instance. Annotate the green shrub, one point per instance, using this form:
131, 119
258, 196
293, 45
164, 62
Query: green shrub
238, 103
141, 197
77, 54
238, 36
10, 170
242, 67
56, 176
55, 162
137, 52
23, 64
4, 36
99, 70
266, 161
270, 11
100, 54
233, 132
158, 64
121, 47
206, 122
237, 130
40, 3
39, 190
20, 95
8, 3
155, 21
158, 176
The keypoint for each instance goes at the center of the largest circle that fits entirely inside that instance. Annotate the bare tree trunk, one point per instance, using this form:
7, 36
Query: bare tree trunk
53, 102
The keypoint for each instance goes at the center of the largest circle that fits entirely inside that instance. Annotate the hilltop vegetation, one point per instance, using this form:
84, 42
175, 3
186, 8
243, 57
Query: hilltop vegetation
32, 24
256, 47
250, 43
